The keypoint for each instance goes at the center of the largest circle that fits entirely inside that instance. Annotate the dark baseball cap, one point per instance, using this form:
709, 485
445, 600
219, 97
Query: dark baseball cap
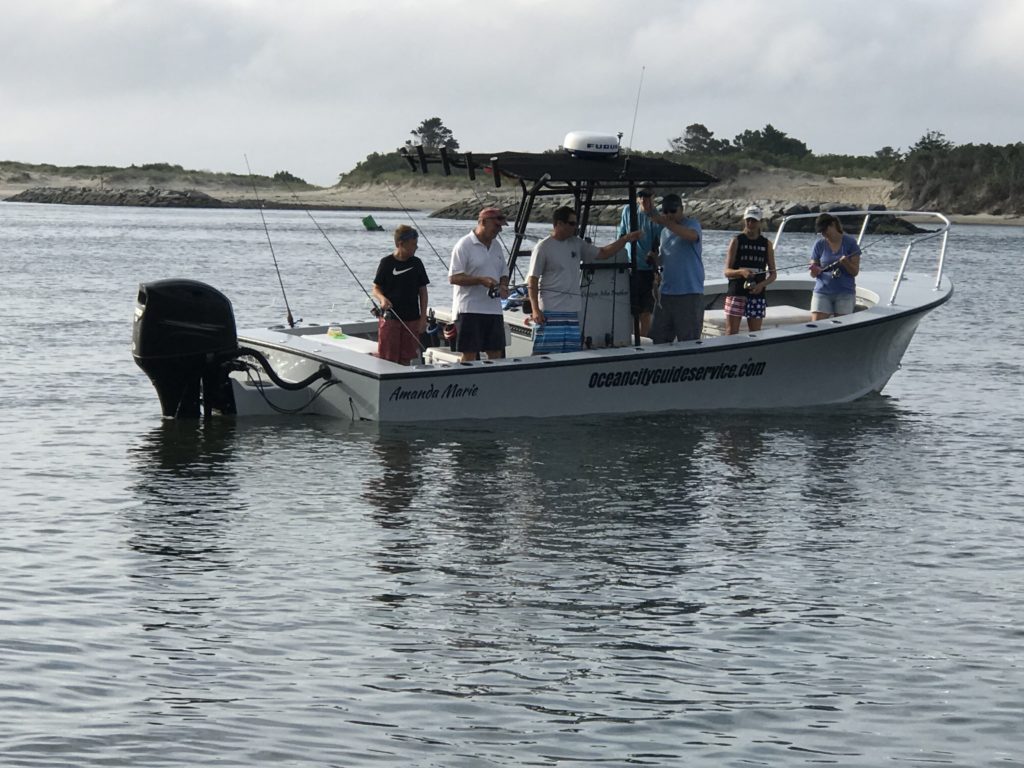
671, 202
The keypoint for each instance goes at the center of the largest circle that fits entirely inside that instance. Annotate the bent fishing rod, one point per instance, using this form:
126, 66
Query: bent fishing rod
259, 205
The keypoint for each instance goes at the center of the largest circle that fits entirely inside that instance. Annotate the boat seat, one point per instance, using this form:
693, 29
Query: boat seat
776, 315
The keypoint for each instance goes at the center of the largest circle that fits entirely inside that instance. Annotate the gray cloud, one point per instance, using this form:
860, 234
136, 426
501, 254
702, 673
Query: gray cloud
314, 86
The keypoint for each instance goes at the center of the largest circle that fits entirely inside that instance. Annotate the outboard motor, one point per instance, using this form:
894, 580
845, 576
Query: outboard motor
184, 333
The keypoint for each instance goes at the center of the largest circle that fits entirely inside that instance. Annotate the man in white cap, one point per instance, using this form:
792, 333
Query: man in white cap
479, 277
750, 267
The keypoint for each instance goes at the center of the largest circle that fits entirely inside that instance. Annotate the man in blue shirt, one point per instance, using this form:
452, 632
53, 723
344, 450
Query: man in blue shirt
680, 315
641, 281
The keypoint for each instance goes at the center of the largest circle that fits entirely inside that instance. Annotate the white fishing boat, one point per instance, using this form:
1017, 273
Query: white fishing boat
185, 337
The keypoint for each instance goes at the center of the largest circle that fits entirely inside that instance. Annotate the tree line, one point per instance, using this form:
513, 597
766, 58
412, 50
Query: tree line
932, 173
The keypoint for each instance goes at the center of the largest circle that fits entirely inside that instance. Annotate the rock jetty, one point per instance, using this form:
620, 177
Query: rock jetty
720, 214
149, 198
155, 197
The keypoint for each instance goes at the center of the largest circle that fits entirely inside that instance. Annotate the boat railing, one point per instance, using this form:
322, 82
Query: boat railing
913, 216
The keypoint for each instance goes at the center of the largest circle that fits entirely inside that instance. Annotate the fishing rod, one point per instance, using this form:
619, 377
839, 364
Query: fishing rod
376, 311
833, 269
431, 323
259, 205
501, 240
491, 292
417, 226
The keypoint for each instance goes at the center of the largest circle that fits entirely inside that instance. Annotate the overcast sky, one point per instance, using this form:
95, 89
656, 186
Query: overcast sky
313, 86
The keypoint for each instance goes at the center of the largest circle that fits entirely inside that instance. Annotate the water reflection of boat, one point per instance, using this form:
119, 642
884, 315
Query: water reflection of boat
187, 489
186, 341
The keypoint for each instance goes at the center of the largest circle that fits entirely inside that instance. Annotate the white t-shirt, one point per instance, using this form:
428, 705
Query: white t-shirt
556, 264
473, 258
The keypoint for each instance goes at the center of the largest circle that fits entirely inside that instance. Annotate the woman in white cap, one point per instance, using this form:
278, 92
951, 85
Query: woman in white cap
750, 267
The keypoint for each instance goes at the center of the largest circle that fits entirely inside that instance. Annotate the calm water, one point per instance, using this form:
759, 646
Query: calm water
837, 586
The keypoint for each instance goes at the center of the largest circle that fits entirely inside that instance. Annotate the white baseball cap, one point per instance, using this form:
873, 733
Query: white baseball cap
752, 212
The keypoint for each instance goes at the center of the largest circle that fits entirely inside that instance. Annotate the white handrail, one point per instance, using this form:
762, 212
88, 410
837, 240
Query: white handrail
867, 215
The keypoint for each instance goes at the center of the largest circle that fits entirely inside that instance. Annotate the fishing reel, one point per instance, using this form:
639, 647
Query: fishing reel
387, 314
751, 282
494, 292
432, 327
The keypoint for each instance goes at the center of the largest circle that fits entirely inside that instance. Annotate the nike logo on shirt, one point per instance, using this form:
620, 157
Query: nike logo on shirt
396, 271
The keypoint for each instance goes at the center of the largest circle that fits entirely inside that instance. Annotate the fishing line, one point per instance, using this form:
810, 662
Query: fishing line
636, 109
259, 205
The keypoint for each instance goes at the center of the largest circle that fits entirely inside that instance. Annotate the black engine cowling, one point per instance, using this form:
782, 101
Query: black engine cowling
183, 334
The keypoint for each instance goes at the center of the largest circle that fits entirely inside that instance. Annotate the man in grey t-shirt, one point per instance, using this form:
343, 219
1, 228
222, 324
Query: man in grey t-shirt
553, 282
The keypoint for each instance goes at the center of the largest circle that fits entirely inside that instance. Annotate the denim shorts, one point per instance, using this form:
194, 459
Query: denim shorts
833, 303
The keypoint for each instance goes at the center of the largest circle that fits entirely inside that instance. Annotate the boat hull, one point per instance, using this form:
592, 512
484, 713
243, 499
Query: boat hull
801, 364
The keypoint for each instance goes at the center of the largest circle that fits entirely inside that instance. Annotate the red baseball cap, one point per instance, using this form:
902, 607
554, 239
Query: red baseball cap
492, 213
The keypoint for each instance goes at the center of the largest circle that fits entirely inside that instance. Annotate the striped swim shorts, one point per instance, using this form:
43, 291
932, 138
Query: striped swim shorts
560, 333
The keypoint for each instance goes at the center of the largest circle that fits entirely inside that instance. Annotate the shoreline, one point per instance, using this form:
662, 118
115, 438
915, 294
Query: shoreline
412, 196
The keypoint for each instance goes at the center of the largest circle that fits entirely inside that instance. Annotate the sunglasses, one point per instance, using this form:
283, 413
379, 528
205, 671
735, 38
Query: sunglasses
572, 223
669, 210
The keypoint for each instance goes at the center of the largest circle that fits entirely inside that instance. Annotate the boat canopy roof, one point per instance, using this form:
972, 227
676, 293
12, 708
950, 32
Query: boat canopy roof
588, 180
561, 168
